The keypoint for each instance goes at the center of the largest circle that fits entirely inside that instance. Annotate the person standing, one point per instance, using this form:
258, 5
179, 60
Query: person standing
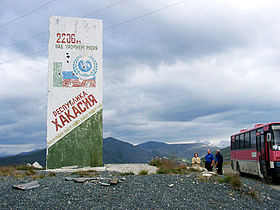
196, 160
209, 160
219, 162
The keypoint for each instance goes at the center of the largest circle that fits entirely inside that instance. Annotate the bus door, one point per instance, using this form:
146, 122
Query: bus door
261, 150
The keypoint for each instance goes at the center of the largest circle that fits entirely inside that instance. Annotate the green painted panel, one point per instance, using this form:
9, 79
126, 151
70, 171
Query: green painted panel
57, 74
83, 146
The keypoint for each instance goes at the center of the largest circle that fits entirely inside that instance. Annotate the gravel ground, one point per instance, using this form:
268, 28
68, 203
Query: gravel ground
136, 192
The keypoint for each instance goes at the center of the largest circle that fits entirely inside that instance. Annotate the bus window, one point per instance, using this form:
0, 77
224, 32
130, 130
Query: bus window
241, 141
247, 140
237, 142
253, 139
232, 146
276, 137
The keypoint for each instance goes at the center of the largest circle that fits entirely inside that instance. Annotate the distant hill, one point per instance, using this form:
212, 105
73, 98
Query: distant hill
27, 153
114, 151
30, 157
226, 153
117, 151
184, 151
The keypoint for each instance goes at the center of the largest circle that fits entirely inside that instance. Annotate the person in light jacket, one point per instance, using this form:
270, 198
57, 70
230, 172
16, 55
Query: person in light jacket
196, 160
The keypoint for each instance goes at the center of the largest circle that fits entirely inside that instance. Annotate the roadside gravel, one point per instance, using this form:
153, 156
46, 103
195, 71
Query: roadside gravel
136, 192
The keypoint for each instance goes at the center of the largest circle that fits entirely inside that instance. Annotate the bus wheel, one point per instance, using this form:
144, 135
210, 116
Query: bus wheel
238, 169
264, 171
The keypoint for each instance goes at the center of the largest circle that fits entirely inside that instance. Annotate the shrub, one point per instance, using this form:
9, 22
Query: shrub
30, 171
42, 176
83, 173
51, 174
233, 180
253, 194
169, 166
235, 183
155, 162
143, 172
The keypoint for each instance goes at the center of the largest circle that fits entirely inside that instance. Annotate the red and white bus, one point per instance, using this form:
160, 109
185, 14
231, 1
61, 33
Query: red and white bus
257, 150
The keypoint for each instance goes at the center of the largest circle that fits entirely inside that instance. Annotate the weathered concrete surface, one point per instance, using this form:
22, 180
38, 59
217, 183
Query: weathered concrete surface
78, 147
27, 186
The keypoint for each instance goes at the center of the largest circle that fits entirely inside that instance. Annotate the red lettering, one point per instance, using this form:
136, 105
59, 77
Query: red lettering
54, 113
84, 93
79, 106
63, 120
77, 98
86, 103
76, 111
64, 107
92, 99
58, 37
68, 115
56, 124
60, 109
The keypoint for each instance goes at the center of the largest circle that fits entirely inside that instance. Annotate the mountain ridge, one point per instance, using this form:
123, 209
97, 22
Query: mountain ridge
118, 151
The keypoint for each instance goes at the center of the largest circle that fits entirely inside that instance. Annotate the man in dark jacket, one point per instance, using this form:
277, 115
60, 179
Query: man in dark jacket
219, 162
209, 160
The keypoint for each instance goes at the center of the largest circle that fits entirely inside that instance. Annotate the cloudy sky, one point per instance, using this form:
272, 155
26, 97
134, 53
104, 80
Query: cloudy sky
174, 71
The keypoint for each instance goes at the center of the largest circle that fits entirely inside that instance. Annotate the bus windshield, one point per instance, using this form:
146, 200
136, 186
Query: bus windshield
276, 138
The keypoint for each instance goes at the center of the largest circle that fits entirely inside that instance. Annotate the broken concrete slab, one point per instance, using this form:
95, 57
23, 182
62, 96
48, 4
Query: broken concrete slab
212, 172
27, 186
114, 181
104, 184
84, 179
69, 167
123, 179
37, 165
206, 174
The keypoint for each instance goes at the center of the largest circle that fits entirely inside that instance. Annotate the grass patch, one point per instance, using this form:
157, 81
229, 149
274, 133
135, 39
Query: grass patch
235, 183
51, 174
127, 174
17, 171
30, 171
38, 176
202, 178
7, 170
23, 167
83, 173
233, 180
252, 193
143, 172
42, 176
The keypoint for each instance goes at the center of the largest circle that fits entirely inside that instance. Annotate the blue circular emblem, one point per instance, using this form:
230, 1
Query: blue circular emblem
85, 67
